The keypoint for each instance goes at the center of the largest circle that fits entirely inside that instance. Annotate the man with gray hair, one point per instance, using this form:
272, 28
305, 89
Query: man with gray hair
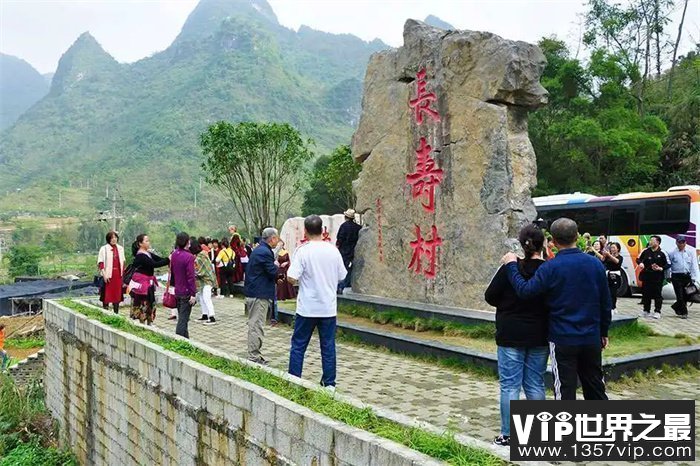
260, 277
575, 288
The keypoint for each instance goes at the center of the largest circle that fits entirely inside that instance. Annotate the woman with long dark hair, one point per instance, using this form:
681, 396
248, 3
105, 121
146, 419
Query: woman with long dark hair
110, 261
521, 332
143, 283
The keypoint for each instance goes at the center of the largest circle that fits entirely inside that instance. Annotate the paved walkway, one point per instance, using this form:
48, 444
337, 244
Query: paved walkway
669, 324
444, 397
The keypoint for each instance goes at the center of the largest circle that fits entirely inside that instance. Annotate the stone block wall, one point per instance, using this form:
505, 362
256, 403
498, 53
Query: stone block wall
122, 400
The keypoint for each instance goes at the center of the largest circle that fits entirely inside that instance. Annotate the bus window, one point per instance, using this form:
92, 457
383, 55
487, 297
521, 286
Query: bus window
665, 216
624, 221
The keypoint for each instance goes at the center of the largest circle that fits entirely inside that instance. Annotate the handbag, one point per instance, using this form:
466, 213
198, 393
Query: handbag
98, 281
692, 294
169, 299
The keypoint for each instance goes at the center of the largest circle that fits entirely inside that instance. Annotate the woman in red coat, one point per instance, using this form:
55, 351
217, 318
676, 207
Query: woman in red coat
239, 248
285, 290
110, 261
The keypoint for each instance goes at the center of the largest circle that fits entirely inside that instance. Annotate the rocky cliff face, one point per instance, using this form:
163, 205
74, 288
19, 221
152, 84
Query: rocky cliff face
439, 219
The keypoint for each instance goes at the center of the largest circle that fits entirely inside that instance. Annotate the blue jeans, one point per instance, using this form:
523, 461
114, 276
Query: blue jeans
303, 329
520, 367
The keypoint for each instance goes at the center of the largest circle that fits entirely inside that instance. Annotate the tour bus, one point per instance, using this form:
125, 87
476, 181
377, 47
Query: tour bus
630, 219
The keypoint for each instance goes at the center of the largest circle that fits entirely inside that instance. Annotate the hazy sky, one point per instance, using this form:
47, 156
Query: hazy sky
39, 31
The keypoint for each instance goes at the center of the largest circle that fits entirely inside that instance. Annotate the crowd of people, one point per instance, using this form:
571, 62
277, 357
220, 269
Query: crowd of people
201, 269
543, 313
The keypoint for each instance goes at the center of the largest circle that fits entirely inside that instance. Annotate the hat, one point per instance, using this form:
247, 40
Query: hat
680, 239
350, 213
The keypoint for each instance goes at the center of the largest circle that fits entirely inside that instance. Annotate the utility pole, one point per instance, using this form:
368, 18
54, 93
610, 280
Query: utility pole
112, 215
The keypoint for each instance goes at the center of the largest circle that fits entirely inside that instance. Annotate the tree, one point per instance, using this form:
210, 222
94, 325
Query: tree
341, 172
91, 235
591, 127
317, 199
257, 165
24, 260
330, 185
626, 33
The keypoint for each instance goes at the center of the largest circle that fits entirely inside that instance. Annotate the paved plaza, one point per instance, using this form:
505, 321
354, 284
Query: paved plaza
441, 396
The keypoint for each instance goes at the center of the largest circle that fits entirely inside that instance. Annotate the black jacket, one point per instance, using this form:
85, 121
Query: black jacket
348, 233
145, 264
648, 258
519, 323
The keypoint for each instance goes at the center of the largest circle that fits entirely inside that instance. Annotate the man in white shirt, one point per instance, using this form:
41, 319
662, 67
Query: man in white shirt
318, 267
684, 271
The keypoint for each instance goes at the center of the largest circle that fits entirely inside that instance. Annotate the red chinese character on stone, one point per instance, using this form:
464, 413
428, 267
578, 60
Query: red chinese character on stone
428, 248
421, 104
426, 176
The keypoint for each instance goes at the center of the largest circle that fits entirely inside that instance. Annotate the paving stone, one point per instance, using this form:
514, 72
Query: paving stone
422, 391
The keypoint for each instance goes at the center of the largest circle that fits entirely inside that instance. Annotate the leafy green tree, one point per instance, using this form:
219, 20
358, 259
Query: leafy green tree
592, 127
330, 184
317, 199
24, 260
91, 235
259, 166
27, 232
62, 240
341, 172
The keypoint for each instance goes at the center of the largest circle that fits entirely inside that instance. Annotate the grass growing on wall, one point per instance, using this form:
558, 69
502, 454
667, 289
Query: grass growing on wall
27, 431
443, 447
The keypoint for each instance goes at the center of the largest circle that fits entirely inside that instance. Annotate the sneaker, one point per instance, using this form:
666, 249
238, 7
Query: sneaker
502, 440
273, 323
613, 312
645, 314
683, 316
656, 315
204, 318
219, 297
172, 318
211, 321
330, 389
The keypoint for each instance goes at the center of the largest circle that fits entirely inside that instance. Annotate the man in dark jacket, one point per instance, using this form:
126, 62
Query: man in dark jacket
653, 263
348, 234
576, 292
259, 290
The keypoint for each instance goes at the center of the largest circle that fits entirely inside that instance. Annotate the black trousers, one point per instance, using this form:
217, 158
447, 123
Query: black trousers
226, 282
680, 281
184, 309
651, 290
584, 363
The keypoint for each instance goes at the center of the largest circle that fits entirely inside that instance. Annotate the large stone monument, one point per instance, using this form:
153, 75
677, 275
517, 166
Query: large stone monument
447, 166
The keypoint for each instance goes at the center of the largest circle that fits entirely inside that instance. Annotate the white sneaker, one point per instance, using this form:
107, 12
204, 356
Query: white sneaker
656, 315
330, 389
613, 312
646, 315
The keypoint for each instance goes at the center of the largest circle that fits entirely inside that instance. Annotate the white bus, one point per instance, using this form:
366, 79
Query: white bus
630, 219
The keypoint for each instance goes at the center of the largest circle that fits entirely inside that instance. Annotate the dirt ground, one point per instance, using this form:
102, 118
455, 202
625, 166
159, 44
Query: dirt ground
17, 325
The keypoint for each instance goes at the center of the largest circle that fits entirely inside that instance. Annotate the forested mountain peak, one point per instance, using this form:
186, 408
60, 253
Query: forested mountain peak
85, 59
206, 18
21, 86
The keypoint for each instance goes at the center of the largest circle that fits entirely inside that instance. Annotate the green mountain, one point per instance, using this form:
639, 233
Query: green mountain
21, 86
138, 124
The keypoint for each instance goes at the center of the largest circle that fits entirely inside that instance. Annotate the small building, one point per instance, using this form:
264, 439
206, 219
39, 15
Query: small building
14, 294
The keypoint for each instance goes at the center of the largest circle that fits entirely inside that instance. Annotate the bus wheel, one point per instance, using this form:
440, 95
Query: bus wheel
625, 290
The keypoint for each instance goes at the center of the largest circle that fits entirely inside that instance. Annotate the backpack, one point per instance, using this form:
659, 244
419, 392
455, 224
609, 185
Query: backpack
230, 265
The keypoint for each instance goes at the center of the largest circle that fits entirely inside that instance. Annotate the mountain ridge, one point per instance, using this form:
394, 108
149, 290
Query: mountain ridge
122, 122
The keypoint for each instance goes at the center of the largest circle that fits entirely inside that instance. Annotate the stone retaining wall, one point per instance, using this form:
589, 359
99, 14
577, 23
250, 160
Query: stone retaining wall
122, 400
